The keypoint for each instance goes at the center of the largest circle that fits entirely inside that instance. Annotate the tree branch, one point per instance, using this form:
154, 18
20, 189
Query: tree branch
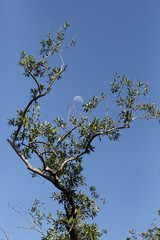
35, 79
5, 234
78, 125
88, 144
29, 166
54, 179
32, 225
67, 134
36, 98
54, 78
46, 167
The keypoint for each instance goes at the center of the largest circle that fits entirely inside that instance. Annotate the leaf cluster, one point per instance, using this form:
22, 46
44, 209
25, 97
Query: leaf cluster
152, 233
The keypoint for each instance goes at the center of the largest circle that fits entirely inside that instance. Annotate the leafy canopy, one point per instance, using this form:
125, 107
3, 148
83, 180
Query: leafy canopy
60, 146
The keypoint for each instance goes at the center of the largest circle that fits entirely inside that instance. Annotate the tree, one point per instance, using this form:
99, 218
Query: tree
60, 147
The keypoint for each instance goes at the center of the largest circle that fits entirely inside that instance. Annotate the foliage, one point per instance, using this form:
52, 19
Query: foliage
152, 233
60, 148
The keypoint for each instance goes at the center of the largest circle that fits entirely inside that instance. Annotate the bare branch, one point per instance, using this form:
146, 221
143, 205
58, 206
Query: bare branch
13, 208
5, 234
32, 225
60, 58
107, 109
144, 117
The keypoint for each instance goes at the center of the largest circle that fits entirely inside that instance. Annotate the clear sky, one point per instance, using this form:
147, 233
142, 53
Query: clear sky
112, 36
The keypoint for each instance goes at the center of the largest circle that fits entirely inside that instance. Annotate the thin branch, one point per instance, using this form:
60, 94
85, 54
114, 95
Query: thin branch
61, 59
37, 153
43, 59
13, 208
5, 234
45, 166
78, 155
24, 113
67, 134
145, 117
32, 227
49, 54
79, 125
54, 78
70, 229
107, 109
30, 73
45, 143
48, 143
36, 98
88, 144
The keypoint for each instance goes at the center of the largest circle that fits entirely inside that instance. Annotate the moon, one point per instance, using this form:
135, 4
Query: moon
78, 99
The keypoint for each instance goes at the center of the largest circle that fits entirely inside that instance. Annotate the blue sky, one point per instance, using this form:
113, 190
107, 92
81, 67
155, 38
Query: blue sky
112, 36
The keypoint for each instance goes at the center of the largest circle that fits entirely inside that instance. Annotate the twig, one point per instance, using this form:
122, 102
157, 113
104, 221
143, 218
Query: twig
5, 234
